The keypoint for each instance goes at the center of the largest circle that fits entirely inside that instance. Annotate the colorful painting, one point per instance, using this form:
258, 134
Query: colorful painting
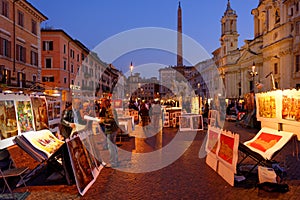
39, 108
8, 121
291, 105
80, 163
44, 141
117, 103
265, 141
25, 116
226, 148
267, 106
212, 141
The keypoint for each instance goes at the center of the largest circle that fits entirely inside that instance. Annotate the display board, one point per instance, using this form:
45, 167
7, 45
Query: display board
222, 152
86, 167
280, 108
19, 114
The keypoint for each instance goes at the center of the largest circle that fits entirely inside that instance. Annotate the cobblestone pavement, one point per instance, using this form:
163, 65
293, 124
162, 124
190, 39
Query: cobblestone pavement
187, 178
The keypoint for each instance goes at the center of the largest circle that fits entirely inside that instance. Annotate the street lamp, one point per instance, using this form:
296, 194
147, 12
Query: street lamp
199, 102
253, 73
130, 80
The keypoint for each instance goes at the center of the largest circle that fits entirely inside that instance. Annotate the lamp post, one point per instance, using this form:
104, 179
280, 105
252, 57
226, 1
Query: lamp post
253, 73
198, 92
130, 79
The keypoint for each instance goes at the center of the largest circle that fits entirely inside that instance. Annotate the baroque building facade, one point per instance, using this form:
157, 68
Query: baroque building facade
273, 54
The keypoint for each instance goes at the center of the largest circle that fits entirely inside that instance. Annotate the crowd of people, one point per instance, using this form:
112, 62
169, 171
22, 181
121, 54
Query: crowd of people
74, 115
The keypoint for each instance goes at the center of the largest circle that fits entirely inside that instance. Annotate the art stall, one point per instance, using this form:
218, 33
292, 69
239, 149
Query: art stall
25, 121
278, 113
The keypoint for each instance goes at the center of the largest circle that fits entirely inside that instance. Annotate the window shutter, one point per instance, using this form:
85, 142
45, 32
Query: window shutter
18, 52
9, 49
24, 54
1, 46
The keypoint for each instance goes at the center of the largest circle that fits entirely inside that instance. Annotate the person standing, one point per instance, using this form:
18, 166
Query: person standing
102, 111
111, 129
155, 113
144, 113
67, 121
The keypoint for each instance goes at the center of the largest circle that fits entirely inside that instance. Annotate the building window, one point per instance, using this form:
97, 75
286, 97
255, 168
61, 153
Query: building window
47, 45
21, 18
65, 80
33, 27
34, 78
298, 28
65, 49
48, 63
4, 8
5, 47
72, 53
4, 75
34, 58
65, 65
72, 68
277, 16
275, 68
21, 53
72, 82
297, 63
48, 78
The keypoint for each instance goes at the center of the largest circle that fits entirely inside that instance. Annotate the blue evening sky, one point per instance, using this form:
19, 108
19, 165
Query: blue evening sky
94, 21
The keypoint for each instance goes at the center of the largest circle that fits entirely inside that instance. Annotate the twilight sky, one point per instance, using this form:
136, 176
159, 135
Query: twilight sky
94, 21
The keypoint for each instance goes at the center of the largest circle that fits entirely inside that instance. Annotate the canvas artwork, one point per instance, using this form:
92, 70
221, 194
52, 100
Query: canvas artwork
80, 163
228, 149
265, 141
8, 121
25, 116
291, 105
212, 117
39, 108
185, 122
212, 140
44, 141
268, 141
197, 122
117, 103
267, 106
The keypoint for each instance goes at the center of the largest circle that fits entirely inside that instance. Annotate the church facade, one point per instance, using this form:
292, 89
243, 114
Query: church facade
271, 60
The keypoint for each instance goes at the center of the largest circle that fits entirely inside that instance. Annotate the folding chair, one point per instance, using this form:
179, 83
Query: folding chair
12, 172
264, 155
